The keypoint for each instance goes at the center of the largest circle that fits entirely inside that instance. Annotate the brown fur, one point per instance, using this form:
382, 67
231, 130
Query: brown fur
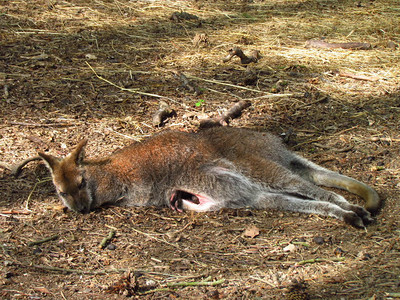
215, 168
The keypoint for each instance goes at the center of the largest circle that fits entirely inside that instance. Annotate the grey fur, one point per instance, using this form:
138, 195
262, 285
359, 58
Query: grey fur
219, 167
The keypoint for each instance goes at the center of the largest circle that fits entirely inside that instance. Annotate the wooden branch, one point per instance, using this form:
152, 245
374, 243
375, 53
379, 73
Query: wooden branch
66, 270
223, 120
352, 45
125, 89
164, 112
45, 240
156, 291
317, 260
156, 239
107, 239
16, 169
358, 77
42, 125
14, 212
254, 56
226, 84
204, 282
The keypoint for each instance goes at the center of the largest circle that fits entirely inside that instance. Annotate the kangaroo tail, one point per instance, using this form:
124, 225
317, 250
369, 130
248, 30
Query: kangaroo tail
332, 179
325, 177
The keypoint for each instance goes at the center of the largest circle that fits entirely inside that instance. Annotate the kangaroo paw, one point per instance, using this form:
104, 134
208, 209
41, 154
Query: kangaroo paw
175, 202
353, 219
363, 214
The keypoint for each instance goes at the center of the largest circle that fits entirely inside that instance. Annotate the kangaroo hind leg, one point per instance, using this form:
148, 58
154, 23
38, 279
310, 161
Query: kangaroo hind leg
328, 178
298, 181
282, 201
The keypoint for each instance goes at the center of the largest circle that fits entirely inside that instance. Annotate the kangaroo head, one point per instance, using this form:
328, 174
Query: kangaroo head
69, 178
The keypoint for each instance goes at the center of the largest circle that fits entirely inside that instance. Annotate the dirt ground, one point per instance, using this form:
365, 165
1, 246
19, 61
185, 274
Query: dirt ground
100, 68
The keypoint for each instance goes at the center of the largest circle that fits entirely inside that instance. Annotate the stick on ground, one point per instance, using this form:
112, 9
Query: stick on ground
45, 240
352, 45
164, 112
254, 56
223, 120
107, 239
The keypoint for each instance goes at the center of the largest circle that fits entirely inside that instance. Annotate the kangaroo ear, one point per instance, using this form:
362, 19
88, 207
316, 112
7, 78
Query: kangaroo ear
51, 161
79, 153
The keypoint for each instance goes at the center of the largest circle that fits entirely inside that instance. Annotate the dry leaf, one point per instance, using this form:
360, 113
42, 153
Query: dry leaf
41, 290
289, 248
251, 231
90, 56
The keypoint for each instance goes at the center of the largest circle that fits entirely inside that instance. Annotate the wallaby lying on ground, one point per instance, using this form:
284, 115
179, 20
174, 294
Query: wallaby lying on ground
214, 168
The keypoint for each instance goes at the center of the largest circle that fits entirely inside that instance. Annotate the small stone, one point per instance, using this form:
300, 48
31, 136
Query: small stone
8, 263
319, 240
213, 294
364, 256
339, 251
289, 248
111, 247
37, 250
90, 56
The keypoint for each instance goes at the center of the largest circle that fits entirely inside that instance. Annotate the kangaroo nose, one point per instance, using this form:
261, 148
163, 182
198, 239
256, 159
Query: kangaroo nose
81, 208
84, 210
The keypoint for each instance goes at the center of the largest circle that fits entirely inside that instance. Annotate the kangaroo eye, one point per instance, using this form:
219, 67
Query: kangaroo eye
62, 194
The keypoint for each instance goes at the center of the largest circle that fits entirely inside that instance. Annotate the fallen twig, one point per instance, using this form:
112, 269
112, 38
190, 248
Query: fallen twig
107, 239
125, 89
352, 45
164, 112
34, 188
14, 212
154, 238
47, 239
197, 283
156, 290
42, 125
317, 260
254, 56
205, 282
304, 244
66, 270
226, 84
234, 112
358, 77
320, 100
393, 295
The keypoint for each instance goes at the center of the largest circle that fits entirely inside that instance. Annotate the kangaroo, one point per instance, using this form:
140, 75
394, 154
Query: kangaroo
214, 168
